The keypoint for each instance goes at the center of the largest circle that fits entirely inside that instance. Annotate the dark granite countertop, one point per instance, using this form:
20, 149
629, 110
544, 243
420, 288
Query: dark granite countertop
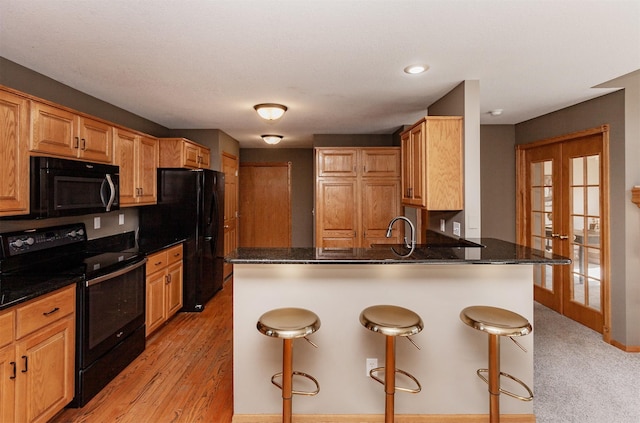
14, 291
153, 245
491, 251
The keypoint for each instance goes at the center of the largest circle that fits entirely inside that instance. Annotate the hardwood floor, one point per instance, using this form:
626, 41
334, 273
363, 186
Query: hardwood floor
185, 373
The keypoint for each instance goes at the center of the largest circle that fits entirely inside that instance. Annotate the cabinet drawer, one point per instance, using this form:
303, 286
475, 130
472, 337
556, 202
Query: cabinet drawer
43, 311
7, 321
174, 254
157, 261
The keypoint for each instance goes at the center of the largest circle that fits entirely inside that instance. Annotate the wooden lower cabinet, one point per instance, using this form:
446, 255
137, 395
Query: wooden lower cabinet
38, 365
164, 287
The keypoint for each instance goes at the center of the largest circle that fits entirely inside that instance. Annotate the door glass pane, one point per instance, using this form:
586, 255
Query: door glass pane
537, 202
578, 200
536, 174
593, 170
578, 172
593, 201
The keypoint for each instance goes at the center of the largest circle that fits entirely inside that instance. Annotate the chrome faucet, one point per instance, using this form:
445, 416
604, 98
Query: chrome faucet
411, 243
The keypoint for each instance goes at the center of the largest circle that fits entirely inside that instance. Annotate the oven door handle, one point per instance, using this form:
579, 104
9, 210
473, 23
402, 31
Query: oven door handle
116, 273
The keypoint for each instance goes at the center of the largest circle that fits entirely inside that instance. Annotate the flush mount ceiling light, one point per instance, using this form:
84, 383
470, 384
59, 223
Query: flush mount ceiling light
271, 139
415, 69
270, 111
495, 112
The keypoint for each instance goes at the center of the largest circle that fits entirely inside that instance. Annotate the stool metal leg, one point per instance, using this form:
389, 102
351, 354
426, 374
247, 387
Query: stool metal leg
494, 378
390, 378
287, 379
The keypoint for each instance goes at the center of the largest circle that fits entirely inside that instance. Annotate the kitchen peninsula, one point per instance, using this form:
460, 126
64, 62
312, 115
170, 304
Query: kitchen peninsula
435, 281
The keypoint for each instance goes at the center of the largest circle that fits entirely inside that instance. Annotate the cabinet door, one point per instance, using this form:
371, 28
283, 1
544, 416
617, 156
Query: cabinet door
14, 155
205, 158
96, 140
191, 155
380, 204
337, 220
174, 288
380, 162
155, 301
125, 157
415, 161
53, 131
7, 383
147, 164
339, 162
46, 366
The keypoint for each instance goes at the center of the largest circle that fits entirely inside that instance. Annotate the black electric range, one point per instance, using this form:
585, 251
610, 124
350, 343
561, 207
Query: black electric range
109, 275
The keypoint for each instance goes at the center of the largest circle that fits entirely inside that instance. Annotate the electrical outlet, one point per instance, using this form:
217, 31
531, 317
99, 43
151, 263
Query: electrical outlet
456, 228
370, 364
96, 223
121, 219
443, 225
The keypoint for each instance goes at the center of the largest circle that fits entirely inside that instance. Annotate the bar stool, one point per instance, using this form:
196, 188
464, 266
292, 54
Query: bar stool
497, 322
391, 321
289, 323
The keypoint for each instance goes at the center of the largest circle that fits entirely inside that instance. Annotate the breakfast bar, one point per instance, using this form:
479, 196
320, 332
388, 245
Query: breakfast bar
435, 281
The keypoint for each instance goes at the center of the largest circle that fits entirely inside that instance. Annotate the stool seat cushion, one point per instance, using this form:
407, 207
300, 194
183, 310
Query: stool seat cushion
496, 321
289, 322
391, 320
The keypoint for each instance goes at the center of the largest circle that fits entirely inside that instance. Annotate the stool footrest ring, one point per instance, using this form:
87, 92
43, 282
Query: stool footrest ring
373, 375
504, 391
311, 378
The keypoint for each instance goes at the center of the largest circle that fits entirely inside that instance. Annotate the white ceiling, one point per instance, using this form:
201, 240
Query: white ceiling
337, 64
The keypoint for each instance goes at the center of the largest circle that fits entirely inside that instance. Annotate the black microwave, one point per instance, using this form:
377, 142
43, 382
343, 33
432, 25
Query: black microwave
61, 187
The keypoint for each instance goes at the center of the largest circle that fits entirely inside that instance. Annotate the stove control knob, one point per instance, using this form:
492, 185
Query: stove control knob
30, 241
17, 243
71, 234
80, 232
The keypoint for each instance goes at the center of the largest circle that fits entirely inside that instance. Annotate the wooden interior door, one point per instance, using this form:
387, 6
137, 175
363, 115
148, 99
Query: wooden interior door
563, 209
265, 204
230, 170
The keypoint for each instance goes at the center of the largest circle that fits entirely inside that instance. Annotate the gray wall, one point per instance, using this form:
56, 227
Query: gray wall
302, 186
498, 180
607, 109
23, 79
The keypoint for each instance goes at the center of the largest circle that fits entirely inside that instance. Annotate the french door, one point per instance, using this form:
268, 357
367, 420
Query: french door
563, 209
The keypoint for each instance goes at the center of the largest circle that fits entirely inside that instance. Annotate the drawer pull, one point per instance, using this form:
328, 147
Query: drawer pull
158, 263
48, 313
13, 363
26, 364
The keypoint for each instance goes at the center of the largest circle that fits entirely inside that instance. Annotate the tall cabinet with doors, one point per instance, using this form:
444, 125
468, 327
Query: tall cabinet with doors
137, 156
357, 195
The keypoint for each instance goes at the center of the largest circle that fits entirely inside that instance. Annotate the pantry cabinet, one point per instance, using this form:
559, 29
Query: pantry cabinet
357, 195
181, 152
137, 156
14, 154
432, 166
38, 357
59, 132
164, 286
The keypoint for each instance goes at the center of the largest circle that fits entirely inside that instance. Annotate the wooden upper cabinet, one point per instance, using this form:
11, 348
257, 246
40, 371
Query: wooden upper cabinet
380, 162
59, 132
181, 152
137, 157
338, 162
14, 154
432, 166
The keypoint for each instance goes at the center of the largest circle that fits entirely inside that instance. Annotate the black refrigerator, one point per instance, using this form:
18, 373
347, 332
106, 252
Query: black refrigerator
191, 207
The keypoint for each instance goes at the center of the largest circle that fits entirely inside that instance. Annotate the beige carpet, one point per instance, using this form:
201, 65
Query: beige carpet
579, 378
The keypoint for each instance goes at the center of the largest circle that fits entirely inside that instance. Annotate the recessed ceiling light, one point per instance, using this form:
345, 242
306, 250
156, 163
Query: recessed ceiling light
415, 69
495, 112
